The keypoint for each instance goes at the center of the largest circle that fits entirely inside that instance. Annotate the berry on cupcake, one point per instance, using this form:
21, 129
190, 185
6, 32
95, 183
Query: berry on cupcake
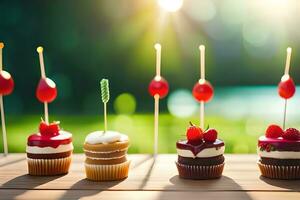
49, 152
279, 148
200, 156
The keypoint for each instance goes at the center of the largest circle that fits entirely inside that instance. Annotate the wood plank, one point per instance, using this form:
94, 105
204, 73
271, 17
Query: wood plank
241, 173
145, 195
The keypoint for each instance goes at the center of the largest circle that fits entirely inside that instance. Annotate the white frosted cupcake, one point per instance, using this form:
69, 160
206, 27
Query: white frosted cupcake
106, 156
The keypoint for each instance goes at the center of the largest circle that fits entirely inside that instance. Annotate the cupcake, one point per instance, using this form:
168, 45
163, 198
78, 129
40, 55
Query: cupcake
105, 153
49, 152
106, 150
279, 153
200, 156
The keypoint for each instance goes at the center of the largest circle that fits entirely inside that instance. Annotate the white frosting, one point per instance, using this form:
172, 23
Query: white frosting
205, 153
279, 154
101, 137
49, 150
104, 152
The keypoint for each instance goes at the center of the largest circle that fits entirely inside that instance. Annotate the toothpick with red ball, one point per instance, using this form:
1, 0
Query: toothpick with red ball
6, 87
203, 91
46, 91
286, 87
158, 88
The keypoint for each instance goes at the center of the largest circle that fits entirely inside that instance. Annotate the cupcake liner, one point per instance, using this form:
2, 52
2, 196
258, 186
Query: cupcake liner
48, 167
107, 172
279, 172
200, 172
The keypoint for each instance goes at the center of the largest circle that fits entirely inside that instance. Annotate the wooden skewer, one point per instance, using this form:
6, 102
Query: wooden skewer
202, 78
288, 60
4, 135
157, 47
43, 75
286, 74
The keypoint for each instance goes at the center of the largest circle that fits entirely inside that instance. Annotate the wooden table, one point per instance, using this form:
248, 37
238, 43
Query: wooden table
148, 179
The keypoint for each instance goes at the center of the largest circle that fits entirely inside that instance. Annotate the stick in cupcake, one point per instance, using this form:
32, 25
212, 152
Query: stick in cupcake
106, 150
279, 148
49, 152
6, 88
158, 88
200, 155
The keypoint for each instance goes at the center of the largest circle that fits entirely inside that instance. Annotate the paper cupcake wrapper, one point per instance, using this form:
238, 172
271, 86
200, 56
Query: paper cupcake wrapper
279, 172
200, 172
48, 167
107, 172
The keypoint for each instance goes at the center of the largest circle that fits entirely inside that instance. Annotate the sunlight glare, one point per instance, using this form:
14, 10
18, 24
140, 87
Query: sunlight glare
170, 5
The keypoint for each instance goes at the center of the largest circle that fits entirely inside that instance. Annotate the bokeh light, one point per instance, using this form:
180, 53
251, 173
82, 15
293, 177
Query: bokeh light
207, 7
125, 103
182, 104
170, 5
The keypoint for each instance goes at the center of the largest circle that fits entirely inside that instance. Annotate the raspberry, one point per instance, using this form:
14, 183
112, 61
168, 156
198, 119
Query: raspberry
291, 134
210, 135
194, 134
274, 131
49, 130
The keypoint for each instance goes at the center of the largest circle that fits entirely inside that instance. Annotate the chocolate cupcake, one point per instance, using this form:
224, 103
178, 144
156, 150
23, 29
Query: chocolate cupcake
279, 153
49, 152
201, 155
106, 156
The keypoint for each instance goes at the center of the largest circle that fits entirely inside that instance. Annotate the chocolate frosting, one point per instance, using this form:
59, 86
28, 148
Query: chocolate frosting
280, 144
196, 148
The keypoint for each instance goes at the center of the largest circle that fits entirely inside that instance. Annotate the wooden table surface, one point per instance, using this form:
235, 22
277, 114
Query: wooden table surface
148, 179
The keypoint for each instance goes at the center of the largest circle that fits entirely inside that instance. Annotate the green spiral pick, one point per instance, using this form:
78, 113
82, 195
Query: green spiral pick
105, 98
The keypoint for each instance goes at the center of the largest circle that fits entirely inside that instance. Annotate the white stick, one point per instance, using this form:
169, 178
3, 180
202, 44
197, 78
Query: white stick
156, 114
202, 115
202, 61
284, 114
5, 146
105, 118
157, 47
42, 65
46, 112
202, 77
3, 127
288, 60
43, 75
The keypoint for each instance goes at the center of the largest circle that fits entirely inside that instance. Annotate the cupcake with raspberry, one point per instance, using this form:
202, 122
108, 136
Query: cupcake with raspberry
49, 152
279, 153
200, 156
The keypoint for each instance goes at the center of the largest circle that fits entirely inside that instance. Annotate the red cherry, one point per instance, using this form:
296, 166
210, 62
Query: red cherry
203, 91
286, 87
46, 90
274, 131
6, 83
194, 134
158, 86
49, 130
291, 134
210, 135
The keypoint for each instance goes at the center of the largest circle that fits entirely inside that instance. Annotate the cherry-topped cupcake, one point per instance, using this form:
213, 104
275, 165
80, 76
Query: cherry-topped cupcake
201, 155
49, 151
279, 153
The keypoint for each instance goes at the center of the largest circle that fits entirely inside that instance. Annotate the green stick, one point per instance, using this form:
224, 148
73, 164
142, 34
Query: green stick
105, 98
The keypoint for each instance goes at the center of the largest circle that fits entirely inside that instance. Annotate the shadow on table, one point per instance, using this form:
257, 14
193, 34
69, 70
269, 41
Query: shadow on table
204, 189
27, 182
292, 185
85, 188
148, 173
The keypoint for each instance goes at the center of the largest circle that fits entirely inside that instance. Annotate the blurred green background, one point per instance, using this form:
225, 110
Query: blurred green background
87, 40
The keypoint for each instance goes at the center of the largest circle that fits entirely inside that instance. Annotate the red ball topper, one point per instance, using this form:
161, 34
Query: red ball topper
158, 86
46, 90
